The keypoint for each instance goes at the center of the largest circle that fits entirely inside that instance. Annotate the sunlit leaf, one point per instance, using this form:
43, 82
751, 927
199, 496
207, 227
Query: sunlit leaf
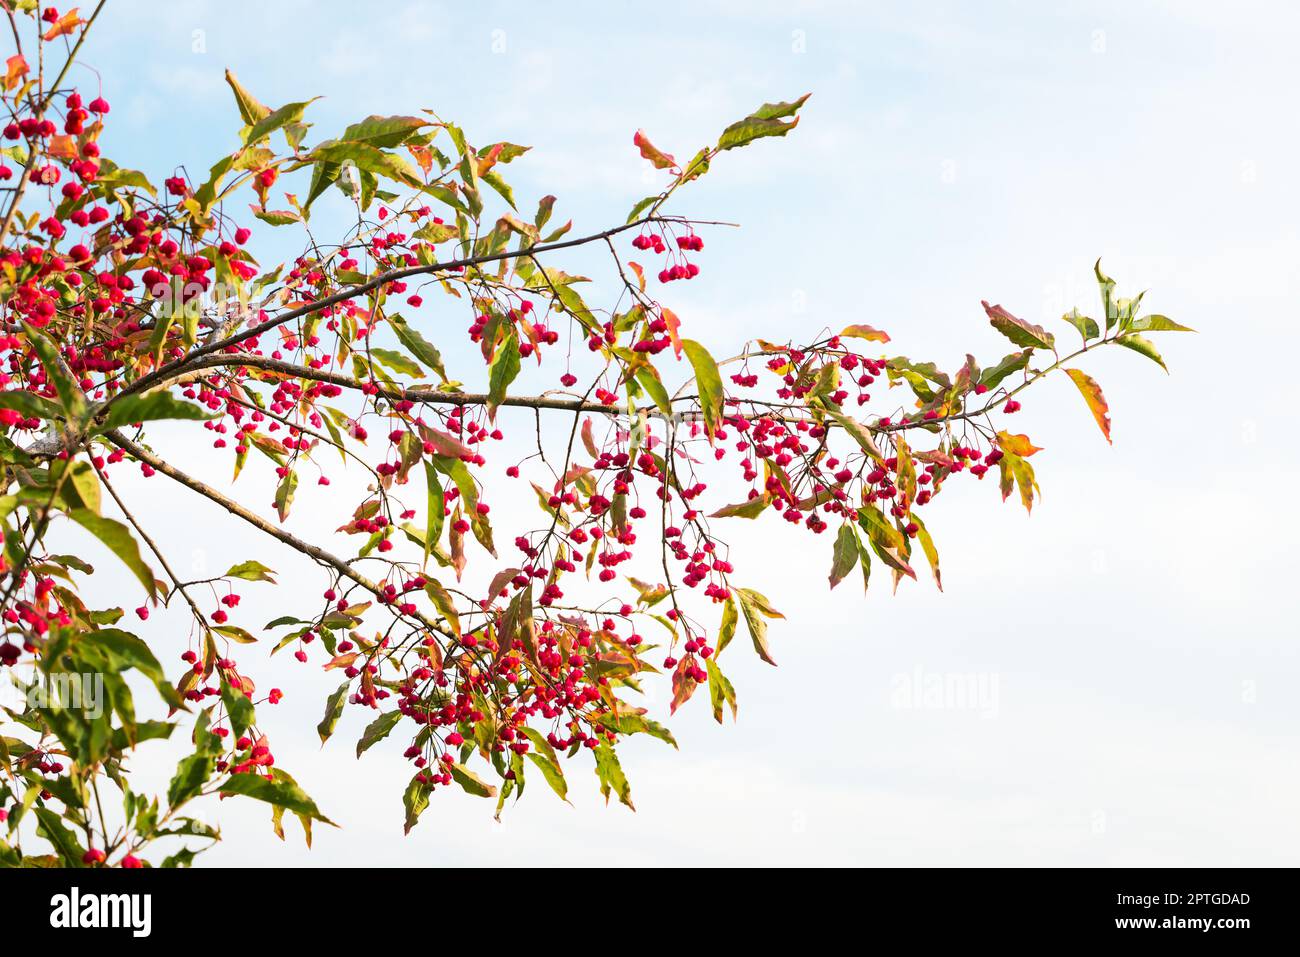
1142, 347
767, 120
708, 382
1019, 331
280, 793
1092, 395
120, 542
844, 555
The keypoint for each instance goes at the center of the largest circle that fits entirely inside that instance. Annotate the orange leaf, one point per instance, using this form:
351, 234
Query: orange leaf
62, 147
1017, 444
15, 69
422, 155
485, 163
640, 273
64, 25
865, 332
660, 159
674, 324
1096, 401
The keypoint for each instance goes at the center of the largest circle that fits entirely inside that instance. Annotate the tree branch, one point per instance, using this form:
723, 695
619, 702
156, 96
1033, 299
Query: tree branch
252, 518
351, 292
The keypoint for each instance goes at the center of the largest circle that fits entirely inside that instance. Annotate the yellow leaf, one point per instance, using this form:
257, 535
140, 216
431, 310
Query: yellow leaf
1096, 401
1017, 444
865, 332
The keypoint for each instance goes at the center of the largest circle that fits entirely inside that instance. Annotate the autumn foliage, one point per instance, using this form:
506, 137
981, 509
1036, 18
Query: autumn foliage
483, 654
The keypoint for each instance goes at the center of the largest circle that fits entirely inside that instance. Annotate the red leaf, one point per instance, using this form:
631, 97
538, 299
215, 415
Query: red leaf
660, 159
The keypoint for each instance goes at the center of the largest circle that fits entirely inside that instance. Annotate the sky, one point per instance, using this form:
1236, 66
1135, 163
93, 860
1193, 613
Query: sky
1131, 647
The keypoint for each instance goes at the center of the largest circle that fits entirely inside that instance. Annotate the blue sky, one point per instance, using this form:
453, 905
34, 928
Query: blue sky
1138, 629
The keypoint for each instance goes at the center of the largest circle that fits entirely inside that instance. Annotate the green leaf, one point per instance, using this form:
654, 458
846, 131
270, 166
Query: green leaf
845, 554
727, 628
31, 405
252, 571
860, 433
250, 109
81, 490
277, 217
1143, 347
754, 607
280, 793
993, 376
415, 799
502, 188
611, 776
333, 709
238, 708
277, 119
928, 547
396, 361
1087, 327
553, 775
632, 723
750, 508
886, 541
545, 758
384, 132
708, 383
377, 730
71, 397
648, 378
502, 371
459, 473
436, 507
235, 633
1157, 323
120, 542
640, 208
767, 120
192, 773
284, 494
50, 826
435, 233
1106, 285
130, 651
369, 159
864, 559
442, 600
570, 299
720, 690
418, 346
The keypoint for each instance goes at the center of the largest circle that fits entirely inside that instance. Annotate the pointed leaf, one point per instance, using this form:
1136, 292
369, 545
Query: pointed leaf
1019, 331
1092, 395
845, 554
708, 383
1142, 347
120, 542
